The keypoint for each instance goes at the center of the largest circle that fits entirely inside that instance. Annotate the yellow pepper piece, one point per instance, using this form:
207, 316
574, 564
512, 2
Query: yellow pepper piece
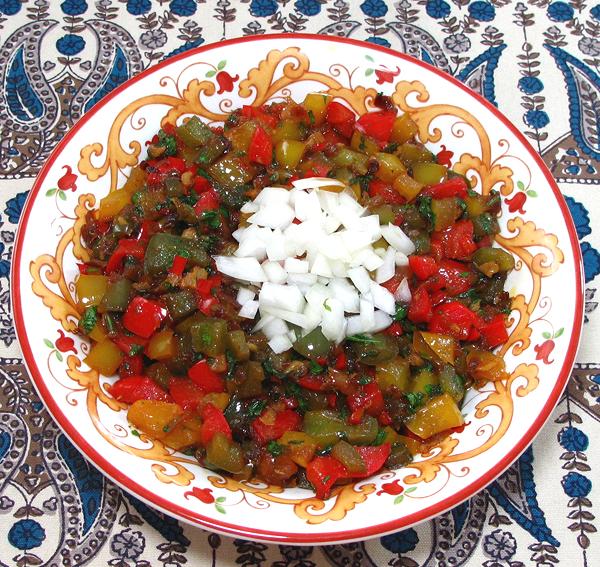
112, 204
393, 374
97, 334
441, 348
390, 166
161, 345
90, 289
135, 181
316, 103
438, 414
184, 434
404, 129
407, 186
104, 357
154, 417
364, 144
301, 446
287, 130
289, 153
217, 399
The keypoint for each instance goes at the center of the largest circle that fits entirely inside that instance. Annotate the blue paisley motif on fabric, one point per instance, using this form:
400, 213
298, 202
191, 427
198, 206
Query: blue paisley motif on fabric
583, 88
581, 217
530, 518
484, 65
117, 75
88, 480
5, 441
21, 98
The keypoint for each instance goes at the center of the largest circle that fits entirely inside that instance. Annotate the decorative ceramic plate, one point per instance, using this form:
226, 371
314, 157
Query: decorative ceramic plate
95, 157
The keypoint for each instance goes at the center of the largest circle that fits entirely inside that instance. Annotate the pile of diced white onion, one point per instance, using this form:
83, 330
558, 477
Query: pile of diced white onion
321, 270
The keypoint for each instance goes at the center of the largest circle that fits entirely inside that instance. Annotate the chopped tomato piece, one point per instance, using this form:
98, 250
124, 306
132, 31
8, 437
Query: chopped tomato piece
206, 378
455, 187
456, 320
422, 266
494, 331
378, 188
323, 472
261, 147
213, 422
134, 388
186, 393
267, 428
143, 316
419, 310
377, 125
208, 201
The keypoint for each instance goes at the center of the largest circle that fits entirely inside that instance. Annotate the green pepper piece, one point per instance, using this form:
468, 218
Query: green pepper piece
163, 248
413, 153
225, 454
364, 433
116, 297
208, 336
160, 374
399, 457
503, 261
379, 349
485, 224
445, 212
181, 304
354, 160
326, 426
349, 457
231, 171
385, 213
213, 151
452, 383
194, 132
183, 357
236, 343
313, 345
173, 187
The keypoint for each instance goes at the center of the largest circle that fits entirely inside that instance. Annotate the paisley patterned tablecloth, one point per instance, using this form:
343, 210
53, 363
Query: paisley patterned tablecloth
539, 62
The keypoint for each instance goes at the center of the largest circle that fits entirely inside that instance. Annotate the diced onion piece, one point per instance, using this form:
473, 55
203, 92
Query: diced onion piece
273, 216
316, 182
333, 323
321, 267
275, 327
249, 207
398, 239
241, 268
298, 319
280, 343
383, 299
387, 270
252, 247
354, 325
295, 266
360, 278
382, 321
402, 293
244, 295
281, 296
273, 196
401, 260
274, 272
249, 310
367, 314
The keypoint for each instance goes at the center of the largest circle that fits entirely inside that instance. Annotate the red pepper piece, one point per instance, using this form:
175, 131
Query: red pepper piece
337, 114
261, 147
457, 241
455, 187
378, 188
452, 277
260, 115
368, 398
313, 383
205, 377
134, 388
170, 164
208, 201
332, 400
201, 185
131, 365
422, 266
185, 393
374, 458
323, 472
393, 283
207, 287
317, 170
377, 125
494, 332
128, 344
207, 306
143, 316
178, 266
126, 247
384, 418
419, 310
394, 330
286, 420
341, 361
213, 422
456, 320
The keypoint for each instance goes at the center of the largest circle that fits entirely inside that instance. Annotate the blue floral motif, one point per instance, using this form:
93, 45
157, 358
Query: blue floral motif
183, 7
14, 207
128, 545
263, 8
581, 217
591, 261
401, 542
70, 44
560, 12
10, 7
536, 118
595, 12
308, 7
374, 8
138, 7
573, 439
457, 43
530, 85
379, 41
482, 11
437, 8
74, 7
4, 264
576, 485
26, 534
